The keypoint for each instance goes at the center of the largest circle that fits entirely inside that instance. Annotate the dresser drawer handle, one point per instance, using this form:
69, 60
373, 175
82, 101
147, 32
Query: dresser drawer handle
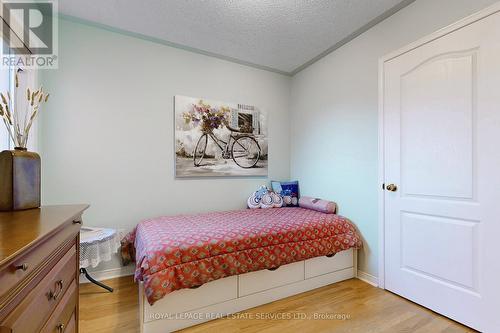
273, 269
57, 290
23, 267
60, 328
331, 255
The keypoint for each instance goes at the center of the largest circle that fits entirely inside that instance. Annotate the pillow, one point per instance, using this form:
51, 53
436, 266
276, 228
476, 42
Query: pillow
324, 206
264, 198
271, 200
289, 191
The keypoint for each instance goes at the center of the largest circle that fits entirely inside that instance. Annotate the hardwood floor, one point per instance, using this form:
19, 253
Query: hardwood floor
359, 308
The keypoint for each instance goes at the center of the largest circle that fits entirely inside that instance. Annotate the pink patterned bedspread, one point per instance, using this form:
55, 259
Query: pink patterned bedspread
175, 252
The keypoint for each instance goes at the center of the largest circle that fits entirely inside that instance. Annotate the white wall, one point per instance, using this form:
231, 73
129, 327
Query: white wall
4, 134
108, 128
334, 115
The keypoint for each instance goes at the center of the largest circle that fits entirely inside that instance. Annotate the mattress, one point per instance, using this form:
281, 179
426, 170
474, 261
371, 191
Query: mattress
176, 252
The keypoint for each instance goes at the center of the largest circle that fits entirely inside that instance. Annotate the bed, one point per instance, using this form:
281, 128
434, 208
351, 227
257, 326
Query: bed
194, 268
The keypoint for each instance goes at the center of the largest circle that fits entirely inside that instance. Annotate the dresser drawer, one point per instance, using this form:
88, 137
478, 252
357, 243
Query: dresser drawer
32, 312
64, 316
29, 263
71, 326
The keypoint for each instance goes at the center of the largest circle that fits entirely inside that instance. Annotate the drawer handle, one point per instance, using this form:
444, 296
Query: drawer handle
60, 328
77, 222
57, 290
330, 255
23, 267
273, 269
195, 287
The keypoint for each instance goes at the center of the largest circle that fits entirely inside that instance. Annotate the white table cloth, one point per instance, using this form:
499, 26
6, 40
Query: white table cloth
97, 245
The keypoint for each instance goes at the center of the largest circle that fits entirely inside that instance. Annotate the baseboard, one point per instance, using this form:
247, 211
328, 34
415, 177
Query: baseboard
109, 273
368, 278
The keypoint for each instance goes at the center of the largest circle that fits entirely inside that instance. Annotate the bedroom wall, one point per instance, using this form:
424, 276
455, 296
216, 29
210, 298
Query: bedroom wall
334, 115
108, 129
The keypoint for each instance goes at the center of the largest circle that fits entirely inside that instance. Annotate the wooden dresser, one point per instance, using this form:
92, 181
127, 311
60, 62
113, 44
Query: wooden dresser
39, 269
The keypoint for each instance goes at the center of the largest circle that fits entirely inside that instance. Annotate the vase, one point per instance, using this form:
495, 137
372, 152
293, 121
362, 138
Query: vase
20, 179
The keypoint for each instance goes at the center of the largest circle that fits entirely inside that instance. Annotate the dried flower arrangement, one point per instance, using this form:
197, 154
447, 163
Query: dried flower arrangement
209, 117
17, 121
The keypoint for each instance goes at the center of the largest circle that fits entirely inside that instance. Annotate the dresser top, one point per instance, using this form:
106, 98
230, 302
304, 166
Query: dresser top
21, 229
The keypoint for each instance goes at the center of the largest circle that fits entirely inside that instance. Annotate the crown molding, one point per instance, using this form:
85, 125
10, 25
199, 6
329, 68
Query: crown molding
331, 49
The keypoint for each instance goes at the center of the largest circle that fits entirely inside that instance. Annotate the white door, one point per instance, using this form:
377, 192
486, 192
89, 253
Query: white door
441, 109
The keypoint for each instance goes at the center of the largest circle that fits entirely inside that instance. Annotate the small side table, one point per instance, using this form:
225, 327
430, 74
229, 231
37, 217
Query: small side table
97, 245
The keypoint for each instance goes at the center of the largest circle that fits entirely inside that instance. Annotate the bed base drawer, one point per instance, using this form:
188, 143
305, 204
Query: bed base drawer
183, 300
197, 315
254, 282
324, 265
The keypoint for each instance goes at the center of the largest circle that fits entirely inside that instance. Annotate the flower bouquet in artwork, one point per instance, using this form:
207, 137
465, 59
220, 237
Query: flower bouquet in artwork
19, 168
207, 117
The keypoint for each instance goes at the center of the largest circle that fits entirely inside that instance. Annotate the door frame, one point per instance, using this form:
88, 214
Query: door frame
488, 11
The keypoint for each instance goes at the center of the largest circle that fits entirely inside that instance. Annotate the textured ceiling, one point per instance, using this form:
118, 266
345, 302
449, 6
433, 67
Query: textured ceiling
278, 34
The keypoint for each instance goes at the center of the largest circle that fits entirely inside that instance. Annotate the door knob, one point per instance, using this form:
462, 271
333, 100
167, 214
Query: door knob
392, 188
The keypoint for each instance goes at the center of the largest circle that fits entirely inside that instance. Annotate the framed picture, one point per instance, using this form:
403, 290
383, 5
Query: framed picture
218, 139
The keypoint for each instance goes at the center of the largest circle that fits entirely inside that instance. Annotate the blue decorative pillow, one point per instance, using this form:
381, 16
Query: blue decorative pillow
288, 190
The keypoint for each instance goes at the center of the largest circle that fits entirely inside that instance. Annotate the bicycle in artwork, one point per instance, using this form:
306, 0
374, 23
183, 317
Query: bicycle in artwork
241, 146
243, 149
